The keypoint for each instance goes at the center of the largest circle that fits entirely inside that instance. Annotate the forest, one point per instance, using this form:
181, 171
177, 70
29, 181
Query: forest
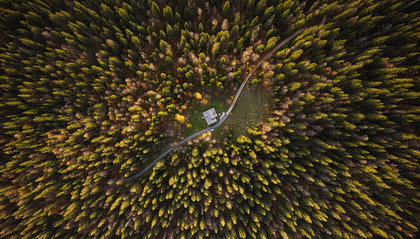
92, 91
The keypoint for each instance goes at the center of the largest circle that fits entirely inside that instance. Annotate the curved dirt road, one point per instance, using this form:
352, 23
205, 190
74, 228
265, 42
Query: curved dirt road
223, 117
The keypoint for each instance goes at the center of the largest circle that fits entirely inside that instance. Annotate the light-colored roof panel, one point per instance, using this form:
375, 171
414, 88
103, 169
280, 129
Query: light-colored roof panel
210, 116
211, 121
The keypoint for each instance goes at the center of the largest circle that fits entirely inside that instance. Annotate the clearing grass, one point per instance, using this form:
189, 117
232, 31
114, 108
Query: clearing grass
251, 109
195, 113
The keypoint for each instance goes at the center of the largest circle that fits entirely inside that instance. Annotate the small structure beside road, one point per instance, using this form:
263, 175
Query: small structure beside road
210, 116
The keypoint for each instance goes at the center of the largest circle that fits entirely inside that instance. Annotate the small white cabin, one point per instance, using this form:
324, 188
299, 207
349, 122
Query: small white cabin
210, 116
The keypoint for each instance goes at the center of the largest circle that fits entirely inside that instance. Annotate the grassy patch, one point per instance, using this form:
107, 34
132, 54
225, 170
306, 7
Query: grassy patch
251, 108
195, 113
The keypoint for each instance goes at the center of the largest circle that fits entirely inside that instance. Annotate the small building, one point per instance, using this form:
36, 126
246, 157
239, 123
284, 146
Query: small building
210, 116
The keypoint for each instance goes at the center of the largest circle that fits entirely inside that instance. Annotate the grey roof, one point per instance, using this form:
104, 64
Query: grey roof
210, 116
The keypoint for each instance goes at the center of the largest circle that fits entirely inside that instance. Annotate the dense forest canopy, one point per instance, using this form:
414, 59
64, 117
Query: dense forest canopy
92, 91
